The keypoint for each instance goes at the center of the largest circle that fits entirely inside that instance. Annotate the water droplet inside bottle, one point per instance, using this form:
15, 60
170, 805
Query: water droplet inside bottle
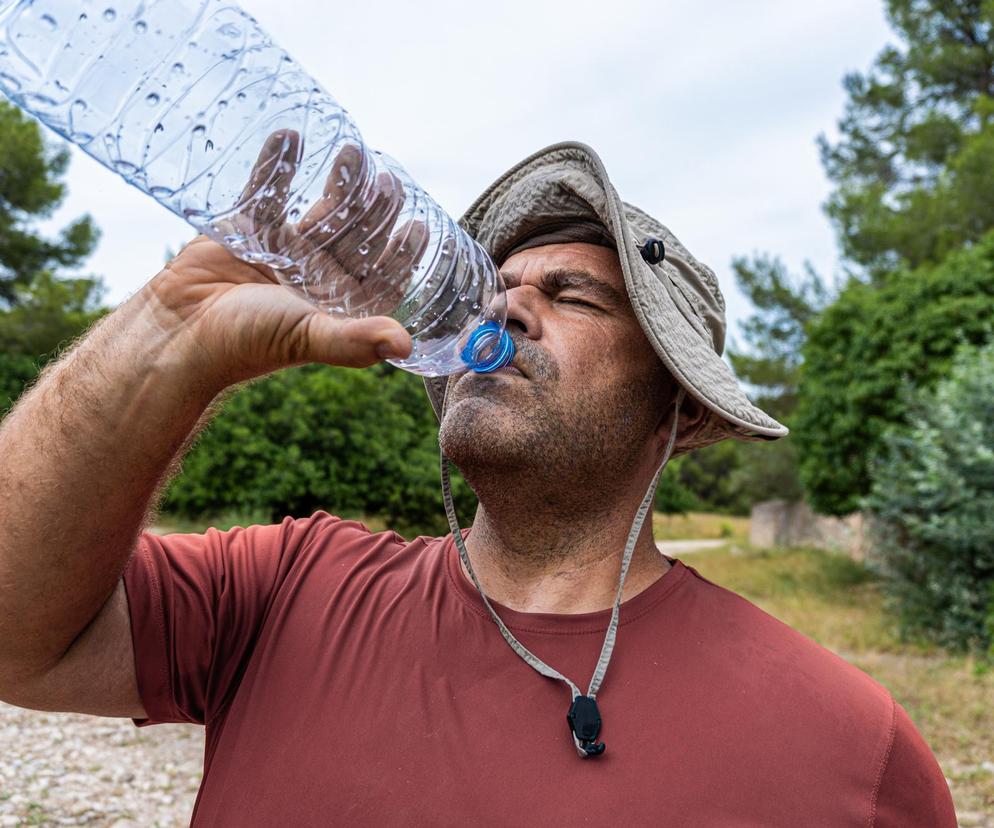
241, 96
177, 68
295, 213
462, 297
83, 16
476, 306
110, 14
50, 22
222, 105
362, 249
199, 130
343, 213
158, 128
151, 99
61, 86
209, 145
229, 30
141, 26
346, 175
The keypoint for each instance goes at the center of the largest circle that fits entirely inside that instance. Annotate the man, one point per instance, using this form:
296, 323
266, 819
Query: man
346, 677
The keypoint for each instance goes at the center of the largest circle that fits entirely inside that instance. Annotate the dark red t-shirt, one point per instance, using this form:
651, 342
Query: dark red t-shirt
347, 677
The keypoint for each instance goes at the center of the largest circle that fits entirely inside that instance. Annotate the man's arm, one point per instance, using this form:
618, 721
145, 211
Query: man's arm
911, 790
84, 452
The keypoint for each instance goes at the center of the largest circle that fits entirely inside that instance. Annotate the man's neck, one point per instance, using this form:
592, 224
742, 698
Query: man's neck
548, 561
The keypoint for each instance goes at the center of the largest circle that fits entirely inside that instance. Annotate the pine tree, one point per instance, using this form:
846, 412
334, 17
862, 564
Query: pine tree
914, 167
31, 189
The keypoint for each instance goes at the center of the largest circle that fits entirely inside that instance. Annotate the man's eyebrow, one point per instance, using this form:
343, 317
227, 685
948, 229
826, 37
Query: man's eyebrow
562, 278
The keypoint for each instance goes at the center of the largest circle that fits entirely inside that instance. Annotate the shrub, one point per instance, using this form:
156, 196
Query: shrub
872, 341
932, 501
320, 437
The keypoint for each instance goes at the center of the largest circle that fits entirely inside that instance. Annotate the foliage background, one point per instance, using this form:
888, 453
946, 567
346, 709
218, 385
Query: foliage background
932, 497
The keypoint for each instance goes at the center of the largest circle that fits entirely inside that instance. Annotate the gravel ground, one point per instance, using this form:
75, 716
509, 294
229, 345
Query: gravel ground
67, 769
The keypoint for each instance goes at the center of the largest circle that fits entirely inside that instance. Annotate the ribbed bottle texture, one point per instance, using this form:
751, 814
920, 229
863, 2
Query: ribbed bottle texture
192, 102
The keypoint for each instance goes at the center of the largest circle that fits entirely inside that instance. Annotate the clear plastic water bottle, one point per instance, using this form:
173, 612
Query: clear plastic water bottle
192, 102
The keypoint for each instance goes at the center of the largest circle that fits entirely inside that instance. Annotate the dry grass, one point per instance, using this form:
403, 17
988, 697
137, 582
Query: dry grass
838, 603
699, 526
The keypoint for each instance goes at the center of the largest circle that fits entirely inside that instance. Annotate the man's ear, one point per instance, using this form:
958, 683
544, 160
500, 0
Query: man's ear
693, 415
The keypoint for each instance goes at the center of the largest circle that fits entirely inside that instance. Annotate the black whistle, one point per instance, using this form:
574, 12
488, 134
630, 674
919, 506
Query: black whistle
585, 723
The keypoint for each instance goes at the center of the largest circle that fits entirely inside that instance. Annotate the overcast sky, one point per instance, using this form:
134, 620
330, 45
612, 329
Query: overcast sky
705, 114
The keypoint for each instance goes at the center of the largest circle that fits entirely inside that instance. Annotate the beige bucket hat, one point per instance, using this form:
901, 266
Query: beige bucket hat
563, 192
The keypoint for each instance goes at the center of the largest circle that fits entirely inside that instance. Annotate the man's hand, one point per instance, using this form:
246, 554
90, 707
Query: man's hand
240, 322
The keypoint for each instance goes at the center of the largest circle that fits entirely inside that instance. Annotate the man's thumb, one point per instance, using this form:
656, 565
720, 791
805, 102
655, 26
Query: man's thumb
356, 343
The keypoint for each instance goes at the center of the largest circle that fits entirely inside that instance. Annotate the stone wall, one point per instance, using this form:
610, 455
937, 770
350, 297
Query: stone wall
792, 523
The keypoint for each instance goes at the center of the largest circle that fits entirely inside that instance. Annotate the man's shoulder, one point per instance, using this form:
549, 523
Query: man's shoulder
781, 662
340, 544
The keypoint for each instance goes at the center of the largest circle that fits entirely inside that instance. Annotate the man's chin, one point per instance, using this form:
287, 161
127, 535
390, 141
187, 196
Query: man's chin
476, 427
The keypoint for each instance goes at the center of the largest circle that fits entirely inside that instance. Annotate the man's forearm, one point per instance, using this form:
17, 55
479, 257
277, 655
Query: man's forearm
82, 454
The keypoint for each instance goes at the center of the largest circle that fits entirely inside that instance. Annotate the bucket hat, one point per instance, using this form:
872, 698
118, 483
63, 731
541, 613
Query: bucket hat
557, 192
563, 193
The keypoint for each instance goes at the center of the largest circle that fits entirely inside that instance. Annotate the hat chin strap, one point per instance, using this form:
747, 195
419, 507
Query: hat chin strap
583, 717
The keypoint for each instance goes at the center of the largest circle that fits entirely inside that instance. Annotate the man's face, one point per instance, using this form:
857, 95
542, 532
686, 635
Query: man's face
585, 391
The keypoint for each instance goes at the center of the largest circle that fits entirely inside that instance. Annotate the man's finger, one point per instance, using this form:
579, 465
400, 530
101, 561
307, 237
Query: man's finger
265, 195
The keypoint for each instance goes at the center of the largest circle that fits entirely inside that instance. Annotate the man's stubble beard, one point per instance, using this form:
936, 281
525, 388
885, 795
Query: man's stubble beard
576, 448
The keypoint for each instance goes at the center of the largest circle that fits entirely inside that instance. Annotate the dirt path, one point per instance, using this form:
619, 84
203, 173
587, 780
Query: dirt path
675, 548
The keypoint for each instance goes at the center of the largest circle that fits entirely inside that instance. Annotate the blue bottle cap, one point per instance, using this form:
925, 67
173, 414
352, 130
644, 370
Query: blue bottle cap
488, 348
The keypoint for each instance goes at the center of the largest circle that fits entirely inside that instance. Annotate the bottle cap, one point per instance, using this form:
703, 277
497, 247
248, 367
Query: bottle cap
489, 348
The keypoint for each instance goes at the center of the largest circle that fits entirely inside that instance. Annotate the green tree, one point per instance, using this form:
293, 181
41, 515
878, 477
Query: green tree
774, 334
770, 364
31, 189
914, 166
932, 501
865, 347
672, 497
45, 314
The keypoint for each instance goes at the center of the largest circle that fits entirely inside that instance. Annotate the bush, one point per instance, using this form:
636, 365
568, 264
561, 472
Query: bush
866, 346
48, 314
672, 497
932, 501
320, 437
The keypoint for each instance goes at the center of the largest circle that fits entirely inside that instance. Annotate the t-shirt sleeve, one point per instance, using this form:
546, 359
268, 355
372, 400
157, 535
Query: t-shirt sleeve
197, 604
913, 792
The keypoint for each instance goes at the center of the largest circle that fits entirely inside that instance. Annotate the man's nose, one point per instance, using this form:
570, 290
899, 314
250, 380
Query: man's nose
524, 310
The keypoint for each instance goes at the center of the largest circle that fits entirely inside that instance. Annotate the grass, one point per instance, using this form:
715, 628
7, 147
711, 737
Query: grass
839, 604
700, 526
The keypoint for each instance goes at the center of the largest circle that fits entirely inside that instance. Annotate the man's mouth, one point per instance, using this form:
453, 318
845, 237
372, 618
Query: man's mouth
509, 369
